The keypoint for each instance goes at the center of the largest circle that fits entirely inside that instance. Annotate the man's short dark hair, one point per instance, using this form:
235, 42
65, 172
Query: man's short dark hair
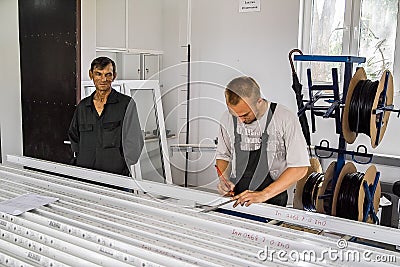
242, 87
101, 63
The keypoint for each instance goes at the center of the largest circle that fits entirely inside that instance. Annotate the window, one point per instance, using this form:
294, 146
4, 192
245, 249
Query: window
378, 25
365, 28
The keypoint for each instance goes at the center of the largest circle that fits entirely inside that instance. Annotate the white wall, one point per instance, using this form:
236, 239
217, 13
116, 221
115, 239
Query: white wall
173, 75
10, 101
227, 44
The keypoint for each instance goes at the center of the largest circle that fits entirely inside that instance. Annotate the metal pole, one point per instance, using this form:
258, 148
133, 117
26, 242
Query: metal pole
142, 67
1, 157
187, 115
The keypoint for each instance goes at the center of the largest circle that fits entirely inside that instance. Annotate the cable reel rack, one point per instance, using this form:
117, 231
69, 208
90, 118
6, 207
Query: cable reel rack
335, 110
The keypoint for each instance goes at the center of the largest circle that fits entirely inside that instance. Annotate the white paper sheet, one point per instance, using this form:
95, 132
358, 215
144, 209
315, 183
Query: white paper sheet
19, 205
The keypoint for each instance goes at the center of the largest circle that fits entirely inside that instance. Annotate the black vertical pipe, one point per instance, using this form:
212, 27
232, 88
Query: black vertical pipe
187, 115
1, 157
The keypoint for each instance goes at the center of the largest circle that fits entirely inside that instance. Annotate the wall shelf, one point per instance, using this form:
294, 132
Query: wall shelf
192, 148
132, 51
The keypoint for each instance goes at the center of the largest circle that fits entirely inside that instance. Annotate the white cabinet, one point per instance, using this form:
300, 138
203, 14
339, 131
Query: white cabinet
141, 66
150, 65
129, 24
145, 24
129, 32
130, 66
110, 23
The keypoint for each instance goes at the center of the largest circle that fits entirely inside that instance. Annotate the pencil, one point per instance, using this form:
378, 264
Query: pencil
231, 193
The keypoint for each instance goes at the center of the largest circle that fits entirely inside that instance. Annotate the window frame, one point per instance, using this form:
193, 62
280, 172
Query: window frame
351, 36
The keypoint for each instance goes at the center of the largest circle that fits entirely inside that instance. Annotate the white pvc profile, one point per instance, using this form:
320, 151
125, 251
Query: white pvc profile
307, 219
7, 260
37, 219
216, 224
118, 180
48, 236
145, 224
97, 253
39, 249
71, 227
102, 243
34, 258
68, 225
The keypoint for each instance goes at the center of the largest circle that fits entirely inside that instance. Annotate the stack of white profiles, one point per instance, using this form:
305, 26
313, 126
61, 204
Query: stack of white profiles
91, 225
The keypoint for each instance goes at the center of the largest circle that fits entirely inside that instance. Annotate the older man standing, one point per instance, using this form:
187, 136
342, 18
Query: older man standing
105, 132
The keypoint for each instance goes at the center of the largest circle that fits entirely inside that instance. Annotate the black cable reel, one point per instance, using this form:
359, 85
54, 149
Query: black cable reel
310, 189
350, 199
315, 167
364, 113
363, 100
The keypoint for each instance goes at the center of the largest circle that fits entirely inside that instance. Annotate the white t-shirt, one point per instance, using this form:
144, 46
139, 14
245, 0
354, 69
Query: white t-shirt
286, 144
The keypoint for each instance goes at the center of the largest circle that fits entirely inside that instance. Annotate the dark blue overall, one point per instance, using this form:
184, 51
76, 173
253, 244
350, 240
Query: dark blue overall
252, 166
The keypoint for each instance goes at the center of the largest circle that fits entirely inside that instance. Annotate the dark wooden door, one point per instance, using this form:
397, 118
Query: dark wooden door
49, 55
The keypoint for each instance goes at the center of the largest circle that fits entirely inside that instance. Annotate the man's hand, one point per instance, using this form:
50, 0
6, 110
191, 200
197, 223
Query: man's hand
225, 187
249, 197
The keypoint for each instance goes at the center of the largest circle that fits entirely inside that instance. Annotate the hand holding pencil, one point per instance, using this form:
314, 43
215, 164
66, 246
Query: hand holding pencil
225, 187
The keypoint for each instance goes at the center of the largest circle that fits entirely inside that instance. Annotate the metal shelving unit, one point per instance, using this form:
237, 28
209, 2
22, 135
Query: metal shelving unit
337, 102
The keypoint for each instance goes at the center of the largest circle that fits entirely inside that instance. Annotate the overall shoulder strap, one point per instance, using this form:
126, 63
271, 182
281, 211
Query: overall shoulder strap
271, 112
273, 107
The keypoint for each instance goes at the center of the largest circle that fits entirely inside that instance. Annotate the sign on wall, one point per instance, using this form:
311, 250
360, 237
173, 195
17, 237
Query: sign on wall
249, 5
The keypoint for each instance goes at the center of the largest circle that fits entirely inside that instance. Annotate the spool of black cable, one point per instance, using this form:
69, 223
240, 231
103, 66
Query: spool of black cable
315, 166
349, 198
360, 106
363, 99
347, 205
310, 190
